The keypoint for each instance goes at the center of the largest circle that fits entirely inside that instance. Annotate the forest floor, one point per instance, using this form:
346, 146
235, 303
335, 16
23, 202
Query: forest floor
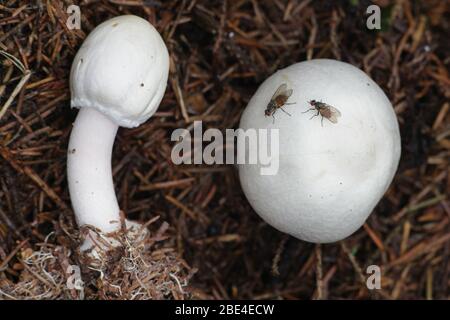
202, 229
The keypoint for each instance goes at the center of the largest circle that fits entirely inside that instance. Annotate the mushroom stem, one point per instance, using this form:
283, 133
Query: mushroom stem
89, 171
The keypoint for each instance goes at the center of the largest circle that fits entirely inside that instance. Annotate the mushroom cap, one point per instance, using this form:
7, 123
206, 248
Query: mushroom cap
121, 70
330, 177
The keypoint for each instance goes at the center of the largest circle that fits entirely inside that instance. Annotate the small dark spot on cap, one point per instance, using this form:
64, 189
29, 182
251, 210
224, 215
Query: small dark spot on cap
115, 24
340, 182
310, 196
72, 151
76, 181
368, 84
81, 60
142, 84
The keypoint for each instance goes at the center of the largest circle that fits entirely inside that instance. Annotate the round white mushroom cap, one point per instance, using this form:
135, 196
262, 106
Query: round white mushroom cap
330, 177
121, 70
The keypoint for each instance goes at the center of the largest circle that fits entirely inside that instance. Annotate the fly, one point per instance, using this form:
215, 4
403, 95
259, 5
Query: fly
278, 100
325, 110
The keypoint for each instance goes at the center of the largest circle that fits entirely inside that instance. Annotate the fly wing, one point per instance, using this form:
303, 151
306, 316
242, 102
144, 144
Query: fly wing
287, 93
281, 91
334, 114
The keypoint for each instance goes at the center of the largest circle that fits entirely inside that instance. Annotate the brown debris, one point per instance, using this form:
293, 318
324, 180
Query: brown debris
139, 269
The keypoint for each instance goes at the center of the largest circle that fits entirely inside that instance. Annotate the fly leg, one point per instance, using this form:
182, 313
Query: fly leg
315, 115
285, 111
314, 109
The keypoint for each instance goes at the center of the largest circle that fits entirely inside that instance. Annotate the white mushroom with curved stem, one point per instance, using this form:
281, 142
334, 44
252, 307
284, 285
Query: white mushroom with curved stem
118, 78
333, 168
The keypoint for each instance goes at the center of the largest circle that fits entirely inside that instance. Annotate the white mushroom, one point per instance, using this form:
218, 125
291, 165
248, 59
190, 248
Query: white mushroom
330, 177
118, 77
